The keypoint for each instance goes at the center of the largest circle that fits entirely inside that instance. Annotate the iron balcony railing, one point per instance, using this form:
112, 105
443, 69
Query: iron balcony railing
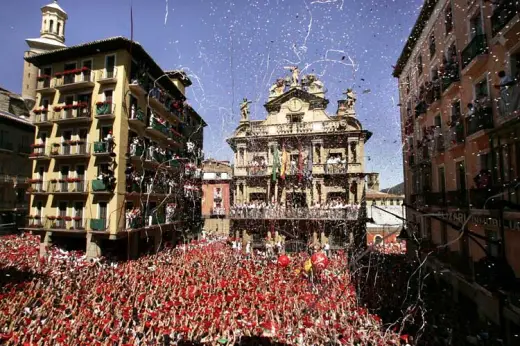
457, 199
71, 112
349, 213
44, 82
509, 103
105, 108
482, 119
502, 14
68, 185
107, 73
70, 148
476, 47
73, 78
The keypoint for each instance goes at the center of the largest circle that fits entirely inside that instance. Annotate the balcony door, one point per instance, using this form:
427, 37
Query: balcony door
86, 74
103, 214
78, 215
64, 175
67, 112
66, 136
85, 101
82, 143
461, 176
80, 174
110, 63
41, 177
62, 212
39, 210
476, 28
69, 78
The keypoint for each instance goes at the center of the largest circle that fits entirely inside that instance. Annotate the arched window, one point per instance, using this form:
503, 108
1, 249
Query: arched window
51, 26
44, 26
378, 240
58, 28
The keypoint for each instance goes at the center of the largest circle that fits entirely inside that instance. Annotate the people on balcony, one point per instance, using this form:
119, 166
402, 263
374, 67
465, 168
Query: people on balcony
509, 101
109, 140
334, 209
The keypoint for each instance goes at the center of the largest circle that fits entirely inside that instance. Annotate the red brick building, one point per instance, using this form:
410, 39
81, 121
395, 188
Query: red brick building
216, 196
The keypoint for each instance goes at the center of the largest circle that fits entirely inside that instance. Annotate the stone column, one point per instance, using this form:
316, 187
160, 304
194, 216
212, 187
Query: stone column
276, 191
268, 190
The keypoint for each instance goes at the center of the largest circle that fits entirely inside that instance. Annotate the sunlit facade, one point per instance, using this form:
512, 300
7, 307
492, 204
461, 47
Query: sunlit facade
459, 116
111, 156
300, 172
216, 195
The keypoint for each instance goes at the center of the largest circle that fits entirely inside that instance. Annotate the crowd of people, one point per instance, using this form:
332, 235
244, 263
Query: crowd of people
201, 293
334, 209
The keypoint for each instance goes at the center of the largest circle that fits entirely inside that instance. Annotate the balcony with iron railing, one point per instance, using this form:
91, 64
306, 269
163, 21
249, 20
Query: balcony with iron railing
509, 103
435, 199
38, 186
107, 75
295, 213
73, 80
476, 47
72, 113
450, 76
259, 170
503, 14
45, 84
69, 149
40, 151
333, 126
67, 186
98, 225
42, 116
166, 106
136, 117
455, 135
14, 179
100, 187
105, 110
482, 119
159, 130
457, 199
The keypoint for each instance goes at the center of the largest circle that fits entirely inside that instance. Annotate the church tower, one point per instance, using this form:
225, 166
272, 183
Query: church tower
52, 36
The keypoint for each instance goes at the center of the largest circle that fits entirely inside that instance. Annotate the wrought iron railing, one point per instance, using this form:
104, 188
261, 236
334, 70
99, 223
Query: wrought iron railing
476, 47
295, 213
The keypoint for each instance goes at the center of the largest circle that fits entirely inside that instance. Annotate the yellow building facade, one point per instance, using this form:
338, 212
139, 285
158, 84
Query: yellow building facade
110, 148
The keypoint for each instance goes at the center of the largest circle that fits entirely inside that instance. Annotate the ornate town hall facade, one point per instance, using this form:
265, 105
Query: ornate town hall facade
300, 171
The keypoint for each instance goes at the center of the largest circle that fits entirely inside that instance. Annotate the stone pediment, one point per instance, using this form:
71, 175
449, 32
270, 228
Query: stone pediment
314, 101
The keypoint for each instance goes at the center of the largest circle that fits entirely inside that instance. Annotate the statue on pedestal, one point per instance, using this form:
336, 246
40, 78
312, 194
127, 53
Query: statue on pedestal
351, 99
277, 88
244, 109
295, 75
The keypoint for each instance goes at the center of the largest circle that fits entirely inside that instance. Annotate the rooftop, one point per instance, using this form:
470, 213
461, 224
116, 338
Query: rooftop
379, 194
55, 6
107, 45
413, 38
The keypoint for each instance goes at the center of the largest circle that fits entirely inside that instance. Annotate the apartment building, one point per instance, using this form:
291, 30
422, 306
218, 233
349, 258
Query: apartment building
460, 99
16, 135
117, 152
216, 195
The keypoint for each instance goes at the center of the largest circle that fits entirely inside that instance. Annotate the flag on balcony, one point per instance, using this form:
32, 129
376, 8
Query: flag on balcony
300, 163
308, 171
284, 162
276, 163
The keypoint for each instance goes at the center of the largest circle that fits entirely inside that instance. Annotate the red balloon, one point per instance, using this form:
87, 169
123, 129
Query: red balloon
283, 261
319, 260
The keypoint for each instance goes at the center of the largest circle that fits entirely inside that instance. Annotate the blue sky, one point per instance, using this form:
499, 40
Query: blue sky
236, 49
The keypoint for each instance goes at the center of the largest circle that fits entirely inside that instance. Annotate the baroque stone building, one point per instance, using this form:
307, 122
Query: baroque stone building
300, 168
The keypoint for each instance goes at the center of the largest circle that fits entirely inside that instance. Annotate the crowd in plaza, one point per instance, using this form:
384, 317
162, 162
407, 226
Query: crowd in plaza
201, 293
334, 209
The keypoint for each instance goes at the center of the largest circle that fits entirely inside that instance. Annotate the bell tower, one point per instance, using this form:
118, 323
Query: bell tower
52, 36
